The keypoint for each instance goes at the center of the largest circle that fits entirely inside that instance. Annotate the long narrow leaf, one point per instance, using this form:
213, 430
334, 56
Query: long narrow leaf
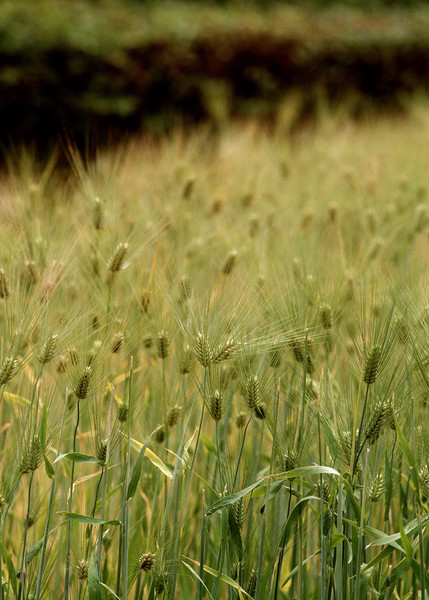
49, 469
224, 578
294, 515
382, 538
154, 459
135, 476
295, 569
408, 454
198, 577
86, 519
34, 550
77, 457
306, 471
228, 500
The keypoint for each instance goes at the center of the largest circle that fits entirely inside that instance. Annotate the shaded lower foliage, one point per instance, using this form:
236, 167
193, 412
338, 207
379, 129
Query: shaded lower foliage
62, 90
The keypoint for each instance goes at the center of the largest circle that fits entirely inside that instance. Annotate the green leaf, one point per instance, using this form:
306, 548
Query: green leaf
416, 567
221, 576
274, 490
94, 590
364, 585
109, 494
86, 519
295, 570
378, 558
337, 539
228, 500
135, 476
34, 550
106, 587
154, 459
48, 467
382, 538
77, 457
199, 578
10, 568
306, 471
294, 515
399, 571
409, 457
235, 535
405, 541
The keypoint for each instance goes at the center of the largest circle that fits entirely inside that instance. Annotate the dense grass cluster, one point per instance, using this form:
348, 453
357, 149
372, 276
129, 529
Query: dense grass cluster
213, 368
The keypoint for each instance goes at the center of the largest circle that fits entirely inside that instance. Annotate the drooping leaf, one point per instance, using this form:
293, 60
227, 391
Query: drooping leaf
135, 476
48, 467
158, 463
77, 457
409, 529
87, 520
154, 458
224, 578
306, 471
294, 515
231, 498
198, 577
106, 587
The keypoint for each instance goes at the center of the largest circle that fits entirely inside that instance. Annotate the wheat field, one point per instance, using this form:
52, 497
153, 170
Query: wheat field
214, 366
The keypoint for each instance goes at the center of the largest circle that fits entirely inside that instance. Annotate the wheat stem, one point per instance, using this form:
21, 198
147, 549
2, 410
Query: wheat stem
23, 571
358, 448
48, 516
103, 495
70, 500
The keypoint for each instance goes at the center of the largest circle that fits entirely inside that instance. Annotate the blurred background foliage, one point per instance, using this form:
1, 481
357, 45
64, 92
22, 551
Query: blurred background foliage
105, 67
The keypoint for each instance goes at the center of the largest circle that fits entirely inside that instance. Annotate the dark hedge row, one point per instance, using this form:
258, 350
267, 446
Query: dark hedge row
60, 88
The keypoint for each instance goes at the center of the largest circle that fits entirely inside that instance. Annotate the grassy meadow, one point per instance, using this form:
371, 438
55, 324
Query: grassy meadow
214, 366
